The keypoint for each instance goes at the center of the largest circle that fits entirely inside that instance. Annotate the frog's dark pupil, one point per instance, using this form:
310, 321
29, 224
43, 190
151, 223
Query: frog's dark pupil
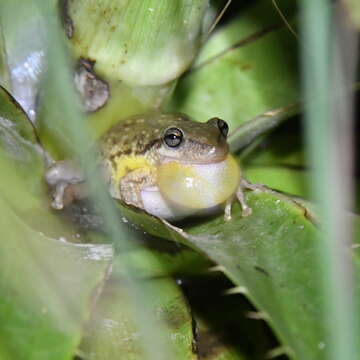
223, 127
173, 137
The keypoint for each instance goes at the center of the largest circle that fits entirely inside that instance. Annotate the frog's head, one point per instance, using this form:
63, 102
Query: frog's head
188, 141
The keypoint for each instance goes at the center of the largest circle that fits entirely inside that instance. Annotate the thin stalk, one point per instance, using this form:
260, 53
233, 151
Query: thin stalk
327, 88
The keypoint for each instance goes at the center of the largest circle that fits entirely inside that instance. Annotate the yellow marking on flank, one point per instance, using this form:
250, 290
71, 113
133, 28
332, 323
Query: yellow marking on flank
125, 164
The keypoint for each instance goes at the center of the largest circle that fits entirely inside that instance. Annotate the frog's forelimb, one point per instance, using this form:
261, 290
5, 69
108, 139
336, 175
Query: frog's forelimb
67, 181
132, 183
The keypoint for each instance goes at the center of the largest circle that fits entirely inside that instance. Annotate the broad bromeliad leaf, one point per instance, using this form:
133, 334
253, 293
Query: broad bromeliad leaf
46, 285
25, 50
18, 136
23, 186
271, 257
249, 67
147, 42
46, 288
113, 333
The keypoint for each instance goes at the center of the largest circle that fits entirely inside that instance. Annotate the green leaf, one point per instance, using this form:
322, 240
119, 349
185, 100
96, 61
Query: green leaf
166, 259
25, 40
353, 9
278, 161
251, 75
147, 42
246, 21
4, 68
19, 125
282, 148
23, 167
53, 281
271, 257
281, 178
251, 130
18, 142
46, 287
112, 332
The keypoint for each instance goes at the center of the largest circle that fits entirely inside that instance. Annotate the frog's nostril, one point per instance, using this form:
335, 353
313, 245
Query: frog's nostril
221, 125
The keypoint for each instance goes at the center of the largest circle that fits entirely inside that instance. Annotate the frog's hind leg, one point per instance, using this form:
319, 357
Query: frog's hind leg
240, 195
66, 180
245, 184
132, 183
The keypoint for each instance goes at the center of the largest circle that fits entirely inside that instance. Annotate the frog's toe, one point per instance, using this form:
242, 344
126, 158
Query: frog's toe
227, 217
245, 184
58, 196
227, 210
246, 211
57, 205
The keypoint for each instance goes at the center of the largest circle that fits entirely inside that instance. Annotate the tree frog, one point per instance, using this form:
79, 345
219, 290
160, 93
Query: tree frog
164, 163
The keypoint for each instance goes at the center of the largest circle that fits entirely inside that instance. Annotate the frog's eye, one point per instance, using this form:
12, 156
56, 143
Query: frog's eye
223, 127
173, 137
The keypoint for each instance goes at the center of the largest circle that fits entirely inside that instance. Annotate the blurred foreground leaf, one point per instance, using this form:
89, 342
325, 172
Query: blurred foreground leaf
112, 333
46, 285
353, 9
4, 69
22, 185
46, 288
